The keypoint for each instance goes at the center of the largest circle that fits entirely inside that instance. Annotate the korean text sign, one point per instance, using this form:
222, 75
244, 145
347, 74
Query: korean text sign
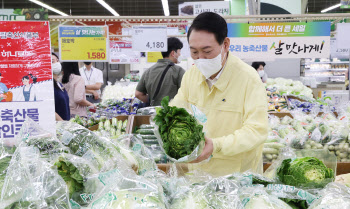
280, 40
26, 88
121, 53
83, 43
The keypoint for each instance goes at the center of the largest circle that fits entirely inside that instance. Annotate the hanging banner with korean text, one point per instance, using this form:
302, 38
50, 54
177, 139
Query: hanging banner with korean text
121, 53
195, 8
26, 88
257, 41
83, 43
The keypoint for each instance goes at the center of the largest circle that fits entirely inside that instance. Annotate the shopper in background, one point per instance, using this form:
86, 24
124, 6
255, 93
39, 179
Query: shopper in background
259, 67
93, 78
75, 86
163, 78
230, 93
61, 96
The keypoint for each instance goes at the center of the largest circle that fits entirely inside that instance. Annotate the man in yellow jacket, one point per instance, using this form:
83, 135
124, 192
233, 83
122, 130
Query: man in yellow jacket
231, 95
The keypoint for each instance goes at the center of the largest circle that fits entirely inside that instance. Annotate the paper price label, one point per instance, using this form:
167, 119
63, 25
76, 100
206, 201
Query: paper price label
84, 43
150, 39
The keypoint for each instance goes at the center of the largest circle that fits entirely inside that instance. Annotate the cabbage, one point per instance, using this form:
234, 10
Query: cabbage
305, 172
265, 202
180, 131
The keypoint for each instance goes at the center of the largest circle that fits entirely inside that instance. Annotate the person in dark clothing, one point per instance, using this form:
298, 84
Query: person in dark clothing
61, 96
146, 90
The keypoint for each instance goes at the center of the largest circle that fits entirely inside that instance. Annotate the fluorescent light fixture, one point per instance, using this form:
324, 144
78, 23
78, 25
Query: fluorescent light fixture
330, 8
48, 7
166, 7
109, 8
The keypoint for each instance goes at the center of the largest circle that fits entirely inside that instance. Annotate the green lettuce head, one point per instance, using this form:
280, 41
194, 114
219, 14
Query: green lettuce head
179, 130
305, 172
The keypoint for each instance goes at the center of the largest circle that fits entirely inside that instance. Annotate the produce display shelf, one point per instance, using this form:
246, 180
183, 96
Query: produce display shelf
137, 121
120, 117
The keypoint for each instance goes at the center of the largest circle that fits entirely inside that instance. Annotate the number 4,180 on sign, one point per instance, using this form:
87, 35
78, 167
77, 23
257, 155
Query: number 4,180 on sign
150, 39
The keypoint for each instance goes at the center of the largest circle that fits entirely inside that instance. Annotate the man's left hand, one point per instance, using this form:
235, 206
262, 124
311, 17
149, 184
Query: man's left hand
96, 95
207, 151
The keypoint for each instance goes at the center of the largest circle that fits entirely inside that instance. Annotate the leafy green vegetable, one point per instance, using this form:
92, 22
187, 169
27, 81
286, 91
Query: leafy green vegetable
72, 177
46, 145
4, 164
305, 172
296, 204
179, 130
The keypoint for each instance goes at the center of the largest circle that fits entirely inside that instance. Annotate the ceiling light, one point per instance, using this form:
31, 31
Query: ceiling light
48, 7
109, 8
166, 7
330, 8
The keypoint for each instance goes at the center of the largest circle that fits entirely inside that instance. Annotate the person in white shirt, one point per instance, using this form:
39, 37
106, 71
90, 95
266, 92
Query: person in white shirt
93, 78
259, 67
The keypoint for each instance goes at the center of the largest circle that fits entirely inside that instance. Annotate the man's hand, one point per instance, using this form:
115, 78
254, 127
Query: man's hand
207, 151
96, 95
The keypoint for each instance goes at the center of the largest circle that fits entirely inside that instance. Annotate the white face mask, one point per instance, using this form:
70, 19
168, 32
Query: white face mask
179, 58
56, 68
209, 67
261, 73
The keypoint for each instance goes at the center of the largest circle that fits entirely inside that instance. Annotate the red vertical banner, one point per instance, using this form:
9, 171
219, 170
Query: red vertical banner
26, 88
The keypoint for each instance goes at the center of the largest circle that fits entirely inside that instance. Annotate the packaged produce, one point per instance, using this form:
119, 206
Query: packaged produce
289, 87
303, 168
179, 133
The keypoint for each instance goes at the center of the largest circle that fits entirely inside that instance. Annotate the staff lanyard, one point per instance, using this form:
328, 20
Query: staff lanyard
86, 75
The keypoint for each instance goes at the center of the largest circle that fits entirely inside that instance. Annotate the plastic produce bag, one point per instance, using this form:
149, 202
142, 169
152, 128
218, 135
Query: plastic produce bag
32, 183
127, 190
258, 198
84, 143
217, 193
135, 153
333, 196
303, 168
180, 133
78, 173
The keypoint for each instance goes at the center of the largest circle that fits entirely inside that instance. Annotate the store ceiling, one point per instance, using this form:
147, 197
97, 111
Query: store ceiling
133, 7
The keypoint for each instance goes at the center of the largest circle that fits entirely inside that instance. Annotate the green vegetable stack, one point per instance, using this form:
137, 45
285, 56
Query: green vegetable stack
305, 172
180, 131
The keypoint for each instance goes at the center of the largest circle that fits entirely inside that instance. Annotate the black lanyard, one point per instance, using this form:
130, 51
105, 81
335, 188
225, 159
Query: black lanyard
86, 75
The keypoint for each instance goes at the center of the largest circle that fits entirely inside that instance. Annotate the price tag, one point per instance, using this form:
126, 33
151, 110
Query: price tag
83, 43
150, 39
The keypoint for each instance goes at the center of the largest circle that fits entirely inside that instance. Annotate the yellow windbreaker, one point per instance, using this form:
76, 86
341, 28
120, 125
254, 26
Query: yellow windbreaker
236, 110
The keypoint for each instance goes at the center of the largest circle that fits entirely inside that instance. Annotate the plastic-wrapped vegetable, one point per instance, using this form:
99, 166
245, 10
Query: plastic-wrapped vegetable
334, 196
84, 143
303, 168
32, 183
217, 193
258, 198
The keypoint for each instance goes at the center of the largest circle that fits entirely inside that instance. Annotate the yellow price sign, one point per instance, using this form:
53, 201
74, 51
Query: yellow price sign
83, 43
154, 56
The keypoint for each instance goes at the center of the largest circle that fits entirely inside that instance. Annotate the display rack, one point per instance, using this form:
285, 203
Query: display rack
325, 70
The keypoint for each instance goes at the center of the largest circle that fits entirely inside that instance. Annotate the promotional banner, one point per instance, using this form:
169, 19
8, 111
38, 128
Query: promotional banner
195, 8
257, 41
121, 53
26, 88
83, 43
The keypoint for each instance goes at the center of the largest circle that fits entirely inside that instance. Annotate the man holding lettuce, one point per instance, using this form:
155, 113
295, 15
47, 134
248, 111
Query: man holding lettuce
231, 95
